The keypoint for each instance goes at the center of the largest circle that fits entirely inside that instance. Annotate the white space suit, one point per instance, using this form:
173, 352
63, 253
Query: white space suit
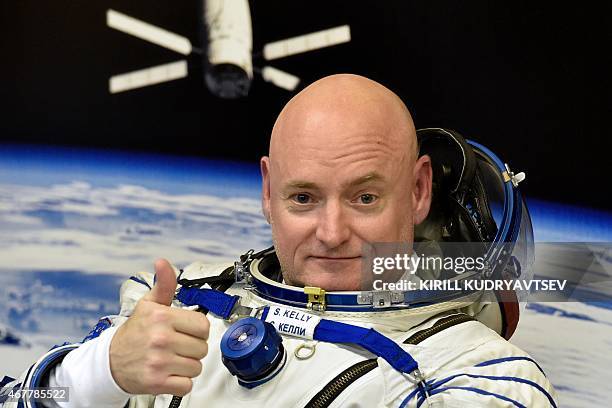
466, 364
460, 357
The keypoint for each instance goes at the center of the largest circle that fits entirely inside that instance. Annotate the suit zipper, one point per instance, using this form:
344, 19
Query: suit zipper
440, 325
335, 387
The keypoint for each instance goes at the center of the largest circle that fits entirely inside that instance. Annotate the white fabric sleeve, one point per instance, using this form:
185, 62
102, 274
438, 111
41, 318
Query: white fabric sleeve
86, 371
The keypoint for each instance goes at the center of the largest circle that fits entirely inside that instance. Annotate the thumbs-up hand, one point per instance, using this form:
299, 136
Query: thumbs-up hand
158, 349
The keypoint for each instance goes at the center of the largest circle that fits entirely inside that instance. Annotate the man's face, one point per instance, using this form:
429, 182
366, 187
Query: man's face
335, 185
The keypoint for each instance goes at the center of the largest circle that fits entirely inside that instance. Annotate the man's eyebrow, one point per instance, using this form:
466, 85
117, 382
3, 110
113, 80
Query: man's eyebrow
301, 184
369, 177
308, 185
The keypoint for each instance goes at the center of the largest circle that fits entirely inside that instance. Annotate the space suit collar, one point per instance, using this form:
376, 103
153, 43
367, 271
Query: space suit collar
398, 310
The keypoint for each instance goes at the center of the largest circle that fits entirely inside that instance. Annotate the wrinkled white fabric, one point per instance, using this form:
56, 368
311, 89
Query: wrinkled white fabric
450, 357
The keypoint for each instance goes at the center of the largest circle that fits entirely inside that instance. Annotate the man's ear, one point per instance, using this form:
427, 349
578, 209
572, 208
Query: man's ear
421, 193
264, 164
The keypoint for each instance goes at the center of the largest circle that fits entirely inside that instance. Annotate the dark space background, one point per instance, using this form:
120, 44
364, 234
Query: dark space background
530, 80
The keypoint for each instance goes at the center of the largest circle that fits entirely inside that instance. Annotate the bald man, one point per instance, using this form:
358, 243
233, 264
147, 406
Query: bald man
343, 171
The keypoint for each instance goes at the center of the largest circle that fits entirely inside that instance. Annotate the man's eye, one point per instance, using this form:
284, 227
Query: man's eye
367, 198
301, 198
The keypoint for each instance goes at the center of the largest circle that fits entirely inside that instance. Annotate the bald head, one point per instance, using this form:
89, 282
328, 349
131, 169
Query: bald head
349, 102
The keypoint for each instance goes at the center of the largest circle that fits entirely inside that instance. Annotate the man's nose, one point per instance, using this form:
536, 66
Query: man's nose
332, 228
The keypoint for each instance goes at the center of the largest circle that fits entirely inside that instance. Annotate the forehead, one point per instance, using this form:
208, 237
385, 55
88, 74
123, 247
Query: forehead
340, 155
329, 128
336, 137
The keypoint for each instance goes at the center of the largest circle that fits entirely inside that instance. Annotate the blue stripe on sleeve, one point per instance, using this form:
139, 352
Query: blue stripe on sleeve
140, 280
476, 390
504, 359
500, 378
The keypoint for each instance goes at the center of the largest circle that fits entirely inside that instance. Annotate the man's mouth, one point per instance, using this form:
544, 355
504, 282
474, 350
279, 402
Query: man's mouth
335, 258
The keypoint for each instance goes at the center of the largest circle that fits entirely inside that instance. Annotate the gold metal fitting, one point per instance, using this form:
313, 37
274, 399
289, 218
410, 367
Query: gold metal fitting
316, 298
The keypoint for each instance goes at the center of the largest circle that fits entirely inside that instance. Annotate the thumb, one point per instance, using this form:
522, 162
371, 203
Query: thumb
165, 284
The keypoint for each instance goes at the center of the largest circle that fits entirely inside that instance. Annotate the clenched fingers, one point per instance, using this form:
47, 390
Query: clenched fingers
191, 322
184, 367
176, 385
189, 346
